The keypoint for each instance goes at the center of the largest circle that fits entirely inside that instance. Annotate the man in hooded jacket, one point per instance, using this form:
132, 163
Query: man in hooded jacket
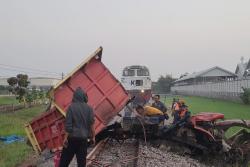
79, 126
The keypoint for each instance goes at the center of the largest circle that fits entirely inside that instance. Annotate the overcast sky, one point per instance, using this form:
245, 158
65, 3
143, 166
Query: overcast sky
168, 36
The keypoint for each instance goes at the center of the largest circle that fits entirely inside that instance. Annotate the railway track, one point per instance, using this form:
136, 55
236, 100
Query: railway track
110, 153
135, 153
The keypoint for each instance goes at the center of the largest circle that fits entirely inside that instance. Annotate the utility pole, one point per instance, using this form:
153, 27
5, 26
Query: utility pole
62, 75
242, 60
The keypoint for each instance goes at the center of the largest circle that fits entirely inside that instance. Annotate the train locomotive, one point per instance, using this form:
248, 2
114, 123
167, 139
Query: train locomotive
137, 81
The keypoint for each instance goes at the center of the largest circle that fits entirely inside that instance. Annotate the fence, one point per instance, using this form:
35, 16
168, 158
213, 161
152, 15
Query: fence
14, 107
229, 90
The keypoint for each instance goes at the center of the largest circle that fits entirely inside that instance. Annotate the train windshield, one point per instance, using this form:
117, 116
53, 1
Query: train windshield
129, 72
142, 72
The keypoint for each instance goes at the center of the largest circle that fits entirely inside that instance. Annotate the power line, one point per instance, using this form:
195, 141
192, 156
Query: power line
29, 72
33, 69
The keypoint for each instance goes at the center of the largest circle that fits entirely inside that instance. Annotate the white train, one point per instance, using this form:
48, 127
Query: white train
137, 81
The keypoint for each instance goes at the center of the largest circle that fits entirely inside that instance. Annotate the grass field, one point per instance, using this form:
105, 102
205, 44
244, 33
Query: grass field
13, 123
229, 109
8, 100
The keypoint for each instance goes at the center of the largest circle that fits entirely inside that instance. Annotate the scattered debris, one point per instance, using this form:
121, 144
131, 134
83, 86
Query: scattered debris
11, 139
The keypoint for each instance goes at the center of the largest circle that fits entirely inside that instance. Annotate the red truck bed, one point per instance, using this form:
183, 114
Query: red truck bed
46, 131
106, 95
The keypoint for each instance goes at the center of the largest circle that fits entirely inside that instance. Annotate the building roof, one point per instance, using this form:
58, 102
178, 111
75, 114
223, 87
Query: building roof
242, 69
247, 69
214, 71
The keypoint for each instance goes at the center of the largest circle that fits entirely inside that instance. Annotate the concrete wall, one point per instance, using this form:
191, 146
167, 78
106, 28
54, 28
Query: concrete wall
229, 90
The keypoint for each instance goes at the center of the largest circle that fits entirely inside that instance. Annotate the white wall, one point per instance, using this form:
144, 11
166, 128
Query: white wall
229, 90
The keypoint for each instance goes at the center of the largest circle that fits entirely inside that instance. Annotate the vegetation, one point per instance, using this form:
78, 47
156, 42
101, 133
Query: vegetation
163, 84
4, 90
8, 100
245, 96
31, 96
35, 95
18, 86
13, 154
229, 109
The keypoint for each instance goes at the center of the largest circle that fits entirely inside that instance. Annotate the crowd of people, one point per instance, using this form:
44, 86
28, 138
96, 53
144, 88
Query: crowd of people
179, 110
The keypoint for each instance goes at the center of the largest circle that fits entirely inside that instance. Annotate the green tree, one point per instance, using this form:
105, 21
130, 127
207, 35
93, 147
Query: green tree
34, 93
29, 97
163, 84
12, 81
245, 96
41, 94
19, 86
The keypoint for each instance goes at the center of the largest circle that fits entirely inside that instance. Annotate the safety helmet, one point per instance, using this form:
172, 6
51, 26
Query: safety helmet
182, 101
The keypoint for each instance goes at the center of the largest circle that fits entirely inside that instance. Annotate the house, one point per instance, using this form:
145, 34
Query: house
214, 74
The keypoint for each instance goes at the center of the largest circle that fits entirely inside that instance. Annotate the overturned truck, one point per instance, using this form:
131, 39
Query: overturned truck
105, 93
202, 133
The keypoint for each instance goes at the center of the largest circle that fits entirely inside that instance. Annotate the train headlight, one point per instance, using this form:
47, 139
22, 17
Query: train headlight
142, 91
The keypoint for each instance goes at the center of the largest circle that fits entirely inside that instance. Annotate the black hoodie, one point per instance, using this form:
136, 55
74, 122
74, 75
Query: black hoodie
79, 117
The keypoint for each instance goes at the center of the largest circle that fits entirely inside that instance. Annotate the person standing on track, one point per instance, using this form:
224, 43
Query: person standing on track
79, 126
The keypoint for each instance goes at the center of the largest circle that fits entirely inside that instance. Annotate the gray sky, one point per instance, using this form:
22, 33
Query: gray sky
168, 36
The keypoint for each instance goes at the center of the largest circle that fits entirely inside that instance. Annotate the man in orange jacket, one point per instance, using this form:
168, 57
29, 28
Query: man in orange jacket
180, 111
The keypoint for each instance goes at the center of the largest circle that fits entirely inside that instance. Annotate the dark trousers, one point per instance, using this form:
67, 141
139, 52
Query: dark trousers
176, 117
76, 147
